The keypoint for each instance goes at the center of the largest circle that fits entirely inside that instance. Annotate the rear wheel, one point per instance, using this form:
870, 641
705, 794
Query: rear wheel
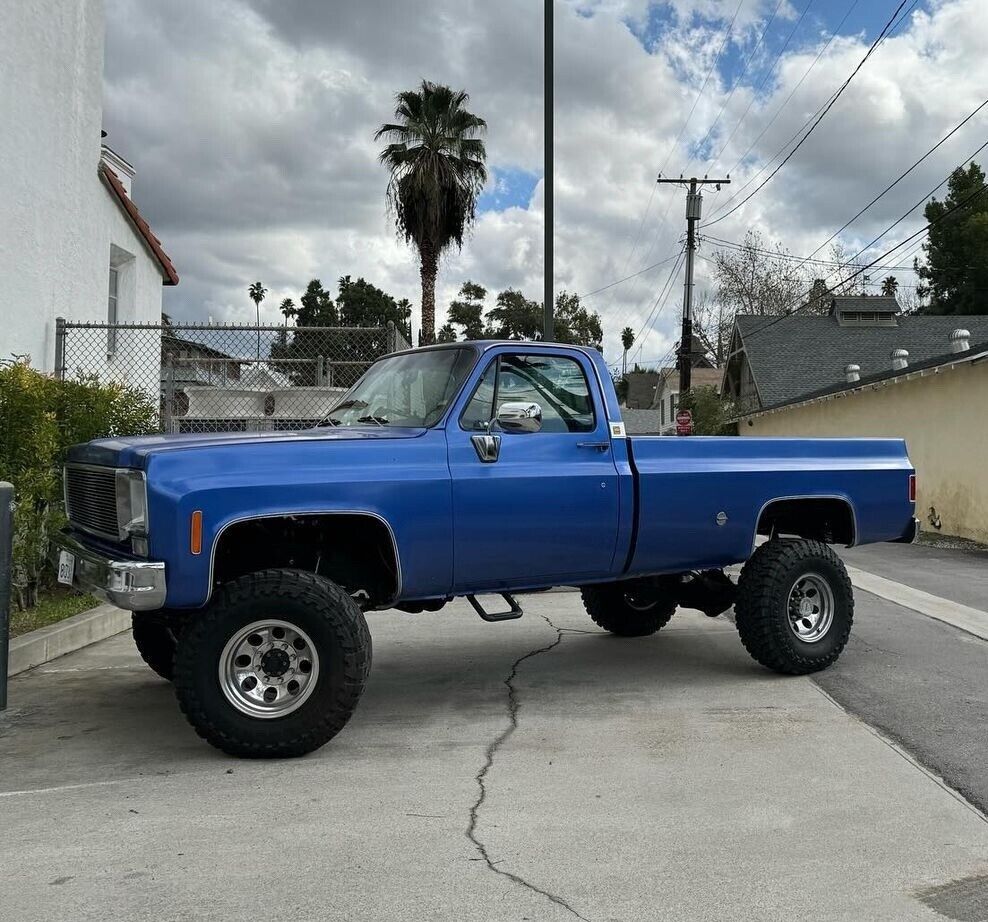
628, 609
155, 641
276, 665
795, 606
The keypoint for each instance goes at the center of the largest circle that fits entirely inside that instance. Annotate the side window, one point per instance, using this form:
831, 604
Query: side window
480, 410
556, 383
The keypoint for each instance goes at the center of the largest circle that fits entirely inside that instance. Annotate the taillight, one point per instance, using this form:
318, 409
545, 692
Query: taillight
912, 488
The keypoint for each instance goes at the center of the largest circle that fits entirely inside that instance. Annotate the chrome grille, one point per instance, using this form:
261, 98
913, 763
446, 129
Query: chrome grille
91, 499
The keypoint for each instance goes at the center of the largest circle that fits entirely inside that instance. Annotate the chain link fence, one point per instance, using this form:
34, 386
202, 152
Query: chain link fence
226, 377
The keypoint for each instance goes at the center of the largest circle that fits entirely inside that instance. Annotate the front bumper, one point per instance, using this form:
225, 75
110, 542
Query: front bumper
136, 585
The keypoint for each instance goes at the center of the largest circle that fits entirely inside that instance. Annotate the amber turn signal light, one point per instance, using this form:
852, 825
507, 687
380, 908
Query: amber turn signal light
195, 536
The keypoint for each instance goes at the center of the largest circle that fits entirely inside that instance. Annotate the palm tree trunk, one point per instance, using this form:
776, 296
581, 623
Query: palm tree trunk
429, 269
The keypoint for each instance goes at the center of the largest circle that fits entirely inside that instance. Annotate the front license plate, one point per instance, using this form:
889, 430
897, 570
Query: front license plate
66, 567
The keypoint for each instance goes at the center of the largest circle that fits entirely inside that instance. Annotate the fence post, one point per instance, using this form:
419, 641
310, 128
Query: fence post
169, 401
392, 342
6, 567
60, 348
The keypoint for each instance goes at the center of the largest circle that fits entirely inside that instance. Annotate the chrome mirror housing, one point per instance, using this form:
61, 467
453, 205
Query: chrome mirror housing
522, 416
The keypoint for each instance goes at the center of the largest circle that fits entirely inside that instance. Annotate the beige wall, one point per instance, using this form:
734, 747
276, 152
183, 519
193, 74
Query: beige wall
944, 419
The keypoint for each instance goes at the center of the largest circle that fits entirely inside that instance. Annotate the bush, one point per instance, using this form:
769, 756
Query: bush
40, 417
712, 414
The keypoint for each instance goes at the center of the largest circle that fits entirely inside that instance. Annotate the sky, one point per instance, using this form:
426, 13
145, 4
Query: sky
251, 122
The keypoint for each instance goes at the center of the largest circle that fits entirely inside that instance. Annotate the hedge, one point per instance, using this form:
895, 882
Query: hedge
40, 417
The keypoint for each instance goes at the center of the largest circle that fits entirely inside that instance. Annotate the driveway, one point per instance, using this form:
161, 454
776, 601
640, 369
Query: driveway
537, 769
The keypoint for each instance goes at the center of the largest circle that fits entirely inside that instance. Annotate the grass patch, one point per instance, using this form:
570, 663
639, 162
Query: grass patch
55, 605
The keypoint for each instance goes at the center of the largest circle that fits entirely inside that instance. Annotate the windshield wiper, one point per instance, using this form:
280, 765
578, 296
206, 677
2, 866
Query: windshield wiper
328, 421
380, 420
350, 405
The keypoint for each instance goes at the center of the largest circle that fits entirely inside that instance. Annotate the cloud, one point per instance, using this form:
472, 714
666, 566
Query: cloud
251, 122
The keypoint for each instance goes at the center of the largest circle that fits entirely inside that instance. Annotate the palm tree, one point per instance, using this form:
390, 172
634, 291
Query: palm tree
627, 340
257, 292
437, 164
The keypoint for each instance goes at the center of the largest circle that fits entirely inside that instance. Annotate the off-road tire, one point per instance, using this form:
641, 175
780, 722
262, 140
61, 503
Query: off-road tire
338, 631
608, 606
762, 606
155, 641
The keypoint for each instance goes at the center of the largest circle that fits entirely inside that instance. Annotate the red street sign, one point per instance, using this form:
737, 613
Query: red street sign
684, 423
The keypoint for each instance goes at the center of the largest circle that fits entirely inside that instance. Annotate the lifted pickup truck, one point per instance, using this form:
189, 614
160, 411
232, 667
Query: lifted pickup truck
457, 470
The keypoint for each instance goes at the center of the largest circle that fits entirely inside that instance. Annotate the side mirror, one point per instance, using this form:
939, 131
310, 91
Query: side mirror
520, 417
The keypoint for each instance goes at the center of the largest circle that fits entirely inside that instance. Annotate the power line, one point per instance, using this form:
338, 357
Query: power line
628, 277
672, 148
787, 100
887, 253
765, 79
660, 300
901, 176
821, 116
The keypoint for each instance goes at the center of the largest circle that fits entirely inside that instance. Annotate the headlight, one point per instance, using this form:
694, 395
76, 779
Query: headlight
132, 504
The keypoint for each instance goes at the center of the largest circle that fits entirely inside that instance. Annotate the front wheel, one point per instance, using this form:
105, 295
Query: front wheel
794, 606
628, 609
275, 666
155, 641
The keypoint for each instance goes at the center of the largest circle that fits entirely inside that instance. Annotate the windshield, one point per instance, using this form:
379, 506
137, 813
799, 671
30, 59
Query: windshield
408, 390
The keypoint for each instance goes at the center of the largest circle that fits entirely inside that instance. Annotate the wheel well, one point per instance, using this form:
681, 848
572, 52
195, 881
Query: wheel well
354, 550
827, 519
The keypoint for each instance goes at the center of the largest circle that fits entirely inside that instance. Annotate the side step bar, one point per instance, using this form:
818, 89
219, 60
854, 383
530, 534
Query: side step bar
514, 609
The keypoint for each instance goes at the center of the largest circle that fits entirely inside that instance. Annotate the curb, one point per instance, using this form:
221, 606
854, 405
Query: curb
47, 643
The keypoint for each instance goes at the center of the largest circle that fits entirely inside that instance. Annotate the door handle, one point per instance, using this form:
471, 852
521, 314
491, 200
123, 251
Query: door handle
599, 446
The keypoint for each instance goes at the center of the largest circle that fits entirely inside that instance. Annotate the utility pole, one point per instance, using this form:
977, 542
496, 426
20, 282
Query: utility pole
694, 207
548, 331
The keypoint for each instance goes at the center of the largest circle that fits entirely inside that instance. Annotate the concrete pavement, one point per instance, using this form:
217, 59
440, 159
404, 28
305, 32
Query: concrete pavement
660, 778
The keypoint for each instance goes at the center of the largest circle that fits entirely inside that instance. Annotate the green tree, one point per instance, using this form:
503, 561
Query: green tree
257, 292
576, 325
955, 276
627, 341
467, 311
515, 317
890, 286
446, 334
437, 162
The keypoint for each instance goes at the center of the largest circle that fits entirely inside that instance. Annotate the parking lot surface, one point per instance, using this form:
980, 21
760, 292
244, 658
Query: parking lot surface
538, 769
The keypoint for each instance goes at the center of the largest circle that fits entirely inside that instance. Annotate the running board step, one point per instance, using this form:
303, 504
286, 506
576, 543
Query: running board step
514, 609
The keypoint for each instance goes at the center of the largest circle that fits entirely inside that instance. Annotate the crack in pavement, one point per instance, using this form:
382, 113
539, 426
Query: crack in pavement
514, 705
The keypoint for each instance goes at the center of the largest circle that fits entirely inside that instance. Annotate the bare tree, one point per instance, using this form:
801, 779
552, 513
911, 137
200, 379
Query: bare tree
754, 279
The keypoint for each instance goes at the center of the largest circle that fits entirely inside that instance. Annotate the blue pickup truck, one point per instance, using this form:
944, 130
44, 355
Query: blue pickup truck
468, 469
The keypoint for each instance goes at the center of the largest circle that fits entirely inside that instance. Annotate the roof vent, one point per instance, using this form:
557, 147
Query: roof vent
853, 373
960, 340
900, 359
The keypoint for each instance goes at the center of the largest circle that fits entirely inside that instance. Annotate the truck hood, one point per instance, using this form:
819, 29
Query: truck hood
135, 451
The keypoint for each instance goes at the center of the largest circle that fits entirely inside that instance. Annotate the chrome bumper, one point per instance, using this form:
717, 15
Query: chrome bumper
136, 585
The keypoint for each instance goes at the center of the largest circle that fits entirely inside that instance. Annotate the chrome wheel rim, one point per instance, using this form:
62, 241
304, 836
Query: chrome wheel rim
268, 668
810, 607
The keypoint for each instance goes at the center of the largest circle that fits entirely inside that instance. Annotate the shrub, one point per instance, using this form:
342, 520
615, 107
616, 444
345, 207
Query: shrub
40, 417
712, 414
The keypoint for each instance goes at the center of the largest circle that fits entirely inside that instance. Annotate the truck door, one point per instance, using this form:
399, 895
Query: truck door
543, 505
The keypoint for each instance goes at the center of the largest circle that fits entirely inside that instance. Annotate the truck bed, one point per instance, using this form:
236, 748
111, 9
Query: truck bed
684, 484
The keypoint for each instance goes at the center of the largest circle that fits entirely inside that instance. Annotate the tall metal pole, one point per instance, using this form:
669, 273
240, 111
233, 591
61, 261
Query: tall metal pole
548, 329
694, 208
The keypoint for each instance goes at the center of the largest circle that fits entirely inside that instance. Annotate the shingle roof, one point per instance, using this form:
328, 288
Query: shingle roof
800, 355
113, 183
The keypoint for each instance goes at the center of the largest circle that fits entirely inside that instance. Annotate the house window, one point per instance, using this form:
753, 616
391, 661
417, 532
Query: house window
673, 400
662, 412
111, 310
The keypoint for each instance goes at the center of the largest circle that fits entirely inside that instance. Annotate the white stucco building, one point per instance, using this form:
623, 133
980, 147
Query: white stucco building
72, 242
